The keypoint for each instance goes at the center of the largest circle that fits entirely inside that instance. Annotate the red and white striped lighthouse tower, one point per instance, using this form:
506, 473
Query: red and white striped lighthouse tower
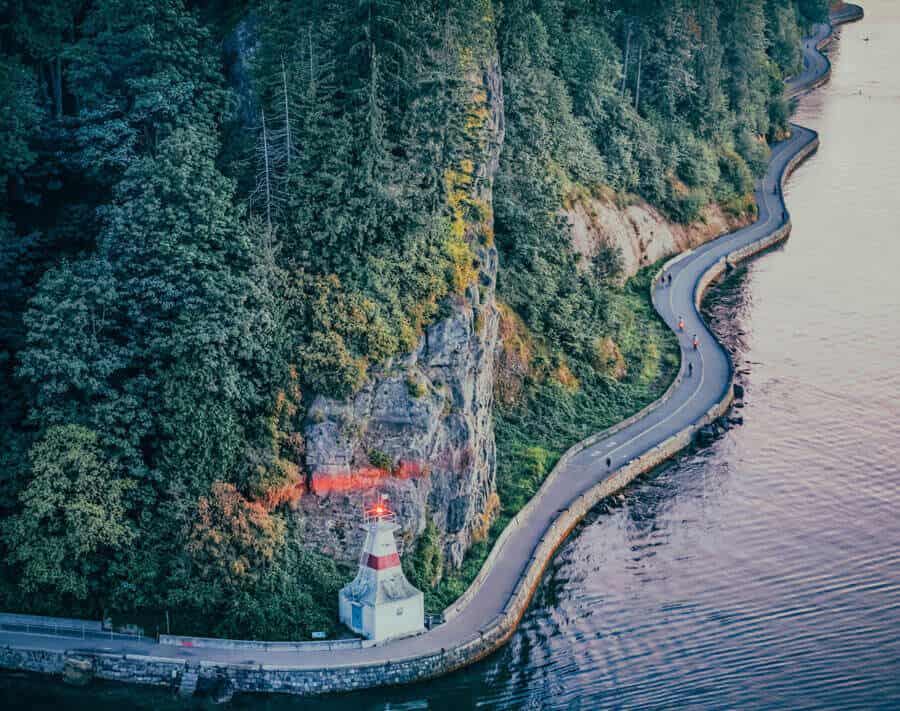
381, 603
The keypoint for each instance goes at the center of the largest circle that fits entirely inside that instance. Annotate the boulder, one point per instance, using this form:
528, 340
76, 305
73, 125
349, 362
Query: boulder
706, 435
78, 672
223, 691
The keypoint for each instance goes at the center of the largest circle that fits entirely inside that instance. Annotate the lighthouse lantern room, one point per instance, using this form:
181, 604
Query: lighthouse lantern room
380, 603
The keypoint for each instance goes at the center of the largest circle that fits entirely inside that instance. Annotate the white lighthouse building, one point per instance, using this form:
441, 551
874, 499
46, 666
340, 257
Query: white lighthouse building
381, 603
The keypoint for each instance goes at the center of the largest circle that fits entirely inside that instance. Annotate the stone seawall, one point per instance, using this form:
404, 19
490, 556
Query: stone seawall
779, 235
173, 640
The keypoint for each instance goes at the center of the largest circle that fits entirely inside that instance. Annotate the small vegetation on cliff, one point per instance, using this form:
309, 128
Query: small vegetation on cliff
533, 432
424, 566
380, 459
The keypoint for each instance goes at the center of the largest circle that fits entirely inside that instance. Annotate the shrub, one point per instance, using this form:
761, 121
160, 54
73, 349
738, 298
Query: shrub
415, 386
380, 459
607, 358
685, 208
737, 179
753, 150
698, 166
425, 566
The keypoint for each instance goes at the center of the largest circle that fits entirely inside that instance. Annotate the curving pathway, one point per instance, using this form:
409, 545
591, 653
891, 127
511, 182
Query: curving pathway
513, 573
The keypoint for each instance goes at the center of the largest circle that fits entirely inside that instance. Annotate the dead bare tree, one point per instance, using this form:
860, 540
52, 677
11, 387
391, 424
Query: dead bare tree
637, 87
301, 80
265, 189
288, 146
630, 27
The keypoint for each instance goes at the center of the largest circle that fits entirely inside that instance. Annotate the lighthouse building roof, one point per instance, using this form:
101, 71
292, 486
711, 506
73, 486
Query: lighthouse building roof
380, 577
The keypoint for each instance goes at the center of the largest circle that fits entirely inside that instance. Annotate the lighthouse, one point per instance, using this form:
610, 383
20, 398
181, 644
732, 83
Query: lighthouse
380, 603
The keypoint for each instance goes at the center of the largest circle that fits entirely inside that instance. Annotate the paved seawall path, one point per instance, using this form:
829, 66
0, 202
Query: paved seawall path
484, 618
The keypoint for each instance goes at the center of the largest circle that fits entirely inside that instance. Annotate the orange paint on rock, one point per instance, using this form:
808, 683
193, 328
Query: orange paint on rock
364, 478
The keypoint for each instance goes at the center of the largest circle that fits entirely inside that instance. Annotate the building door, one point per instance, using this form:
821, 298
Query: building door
356, 616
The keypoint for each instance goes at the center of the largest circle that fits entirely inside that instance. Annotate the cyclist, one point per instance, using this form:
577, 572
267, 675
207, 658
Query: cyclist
696, 342
681, 323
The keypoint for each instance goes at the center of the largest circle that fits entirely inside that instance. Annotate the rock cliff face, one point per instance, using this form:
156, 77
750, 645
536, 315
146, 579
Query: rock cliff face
421, 430
639, 231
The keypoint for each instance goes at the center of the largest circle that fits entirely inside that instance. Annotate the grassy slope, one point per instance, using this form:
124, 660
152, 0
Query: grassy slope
533, 434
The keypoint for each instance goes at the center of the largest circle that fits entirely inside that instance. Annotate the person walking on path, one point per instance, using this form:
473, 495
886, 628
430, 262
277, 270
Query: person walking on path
681, 323
670, 278
690, 369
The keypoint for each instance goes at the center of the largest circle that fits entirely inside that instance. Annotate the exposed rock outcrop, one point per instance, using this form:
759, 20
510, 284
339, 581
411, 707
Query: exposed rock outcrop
78, 672
421, 429
639, 231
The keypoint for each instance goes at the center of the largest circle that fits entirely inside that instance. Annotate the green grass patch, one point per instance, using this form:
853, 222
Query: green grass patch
549, 418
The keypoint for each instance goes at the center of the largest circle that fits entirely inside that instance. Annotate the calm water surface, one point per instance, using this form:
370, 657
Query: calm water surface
764, 570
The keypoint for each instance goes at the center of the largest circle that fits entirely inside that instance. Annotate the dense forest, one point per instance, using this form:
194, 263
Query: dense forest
214, 209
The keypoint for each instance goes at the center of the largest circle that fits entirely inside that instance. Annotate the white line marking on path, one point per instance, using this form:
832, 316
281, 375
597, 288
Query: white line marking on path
606, 445
679, 409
